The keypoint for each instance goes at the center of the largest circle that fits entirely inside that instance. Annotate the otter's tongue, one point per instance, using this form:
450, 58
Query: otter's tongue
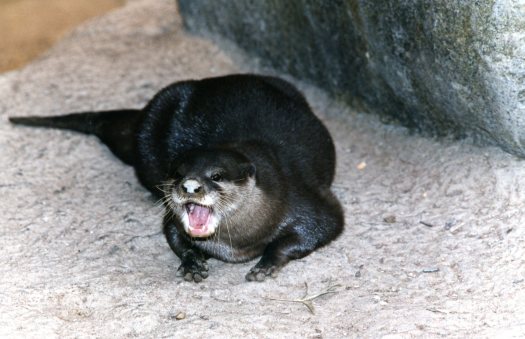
198, 215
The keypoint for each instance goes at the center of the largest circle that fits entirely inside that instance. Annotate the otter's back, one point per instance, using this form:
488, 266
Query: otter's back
239, 109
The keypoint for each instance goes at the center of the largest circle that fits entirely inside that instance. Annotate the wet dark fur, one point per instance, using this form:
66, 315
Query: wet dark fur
264, 119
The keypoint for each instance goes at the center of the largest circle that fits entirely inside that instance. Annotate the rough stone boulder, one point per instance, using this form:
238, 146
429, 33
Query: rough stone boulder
441, 67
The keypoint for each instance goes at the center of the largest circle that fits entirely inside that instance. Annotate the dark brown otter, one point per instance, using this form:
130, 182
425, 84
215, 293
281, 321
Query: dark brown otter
242, 163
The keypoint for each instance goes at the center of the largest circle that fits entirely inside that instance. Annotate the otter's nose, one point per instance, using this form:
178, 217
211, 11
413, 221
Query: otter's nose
191, 186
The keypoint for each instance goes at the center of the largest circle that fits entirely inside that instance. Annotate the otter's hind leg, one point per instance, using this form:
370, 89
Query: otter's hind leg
313, 226
193, 265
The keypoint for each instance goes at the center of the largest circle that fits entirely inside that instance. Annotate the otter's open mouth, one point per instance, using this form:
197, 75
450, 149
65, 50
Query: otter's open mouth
199, 217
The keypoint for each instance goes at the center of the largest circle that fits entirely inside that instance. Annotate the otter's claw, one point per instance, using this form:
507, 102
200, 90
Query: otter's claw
193, 271
260, 273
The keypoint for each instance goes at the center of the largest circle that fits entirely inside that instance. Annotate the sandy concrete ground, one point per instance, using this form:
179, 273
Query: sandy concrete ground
433, 246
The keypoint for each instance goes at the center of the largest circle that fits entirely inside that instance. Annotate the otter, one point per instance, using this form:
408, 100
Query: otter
241, 163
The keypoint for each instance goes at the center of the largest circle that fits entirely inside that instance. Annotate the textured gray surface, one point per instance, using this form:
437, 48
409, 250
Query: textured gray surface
80, 249
442, 67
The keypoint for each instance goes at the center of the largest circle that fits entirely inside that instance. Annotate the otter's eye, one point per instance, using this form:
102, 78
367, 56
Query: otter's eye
216, 177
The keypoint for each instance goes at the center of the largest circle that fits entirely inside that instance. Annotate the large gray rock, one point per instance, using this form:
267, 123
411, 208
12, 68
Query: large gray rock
442, 67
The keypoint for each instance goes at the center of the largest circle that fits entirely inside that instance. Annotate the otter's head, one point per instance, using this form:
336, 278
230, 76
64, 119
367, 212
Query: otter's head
208, 187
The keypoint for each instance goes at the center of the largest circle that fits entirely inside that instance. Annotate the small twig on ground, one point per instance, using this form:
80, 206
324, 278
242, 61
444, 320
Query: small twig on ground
435, 310
427, 224
306, 300
430, 270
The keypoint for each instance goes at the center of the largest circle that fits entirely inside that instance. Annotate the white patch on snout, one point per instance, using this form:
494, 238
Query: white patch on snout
191, 185
207, 200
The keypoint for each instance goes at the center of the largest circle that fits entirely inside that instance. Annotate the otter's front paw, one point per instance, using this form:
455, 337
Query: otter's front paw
260, 272
193, 270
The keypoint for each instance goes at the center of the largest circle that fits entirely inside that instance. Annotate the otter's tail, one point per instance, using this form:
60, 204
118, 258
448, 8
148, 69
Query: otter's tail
116, 129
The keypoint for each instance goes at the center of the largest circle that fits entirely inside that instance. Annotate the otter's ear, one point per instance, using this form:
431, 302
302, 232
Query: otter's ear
248, 169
